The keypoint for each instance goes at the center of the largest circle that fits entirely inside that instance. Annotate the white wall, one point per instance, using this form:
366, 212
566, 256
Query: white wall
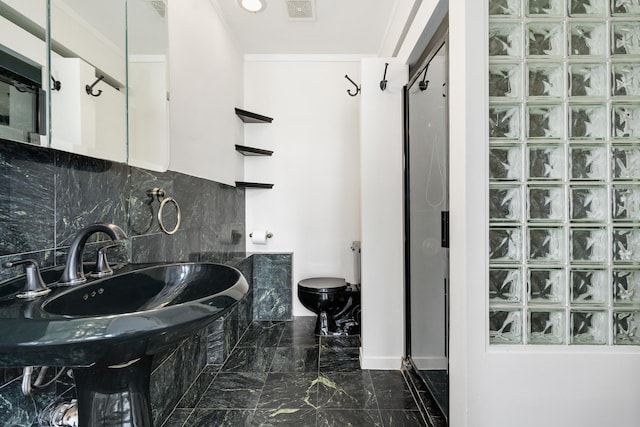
381, 127
206, 83
313, 209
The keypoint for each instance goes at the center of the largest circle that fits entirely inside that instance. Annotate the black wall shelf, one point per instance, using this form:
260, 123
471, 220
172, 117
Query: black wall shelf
252, 151
249, 117
243, 184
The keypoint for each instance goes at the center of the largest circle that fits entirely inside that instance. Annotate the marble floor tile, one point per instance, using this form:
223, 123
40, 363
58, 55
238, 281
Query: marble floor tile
284, 418
300, 333
291, 338
392, 391
346, 390
220, 418
249, 360
202, 382
349, 418
177, 418
294, 359
438, 381
262, 334
339, 359
234, 390
401, 418
306, 381
289, 391
303, 323
350, 341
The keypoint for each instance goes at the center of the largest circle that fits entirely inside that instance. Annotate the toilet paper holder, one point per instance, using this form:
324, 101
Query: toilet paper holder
269, 235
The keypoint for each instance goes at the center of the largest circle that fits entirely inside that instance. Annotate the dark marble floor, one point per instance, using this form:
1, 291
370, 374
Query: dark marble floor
281, 374
438, 381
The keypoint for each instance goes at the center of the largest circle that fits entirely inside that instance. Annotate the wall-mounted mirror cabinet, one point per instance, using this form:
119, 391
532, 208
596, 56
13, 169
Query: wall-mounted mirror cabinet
107, 88
148, 84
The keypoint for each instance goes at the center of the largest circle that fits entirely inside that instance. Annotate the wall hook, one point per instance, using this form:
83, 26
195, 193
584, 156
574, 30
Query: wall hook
89, 89
354, 83
55, 84
383, 82
424, 84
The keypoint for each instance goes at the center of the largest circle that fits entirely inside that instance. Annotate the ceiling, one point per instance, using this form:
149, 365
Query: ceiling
340, 27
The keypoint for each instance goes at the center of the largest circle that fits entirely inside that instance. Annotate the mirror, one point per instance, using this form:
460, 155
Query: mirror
108, 81
88, 58
148, 84
23, 56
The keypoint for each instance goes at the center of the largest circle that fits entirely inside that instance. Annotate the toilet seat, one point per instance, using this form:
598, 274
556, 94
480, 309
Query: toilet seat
323, 284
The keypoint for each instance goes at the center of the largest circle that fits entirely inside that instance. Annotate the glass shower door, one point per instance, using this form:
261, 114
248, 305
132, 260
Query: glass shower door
427, 224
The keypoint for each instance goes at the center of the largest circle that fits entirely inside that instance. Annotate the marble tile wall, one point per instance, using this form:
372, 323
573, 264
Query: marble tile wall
270, 275
46, 196
272, 296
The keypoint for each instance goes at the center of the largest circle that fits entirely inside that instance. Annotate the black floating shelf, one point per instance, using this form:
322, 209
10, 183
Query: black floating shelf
252, 151
242, 184
249, 117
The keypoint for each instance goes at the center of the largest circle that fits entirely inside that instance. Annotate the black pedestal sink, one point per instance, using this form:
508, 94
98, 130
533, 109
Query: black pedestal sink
109, 329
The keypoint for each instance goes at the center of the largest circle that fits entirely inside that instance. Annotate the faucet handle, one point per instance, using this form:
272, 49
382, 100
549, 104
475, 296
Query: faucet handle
102, 267
34, 285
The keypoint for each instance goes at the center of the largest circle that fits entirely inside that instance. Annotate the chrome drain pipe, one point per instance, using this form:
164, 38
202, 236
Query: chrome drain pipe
65, 415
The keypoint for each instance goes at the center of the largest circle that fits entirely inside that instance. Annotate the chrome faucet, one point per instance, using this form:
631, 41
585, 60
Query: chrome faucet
73, 273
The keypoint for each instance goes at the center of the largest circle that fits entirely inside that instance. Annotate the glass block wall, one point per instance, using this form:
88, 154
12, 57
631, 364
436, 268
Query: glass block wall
564, 193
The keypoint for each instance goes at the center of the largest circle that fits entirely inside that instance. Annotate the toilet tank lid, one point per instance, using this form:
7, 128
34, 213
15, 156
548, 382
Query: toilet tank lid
324, 283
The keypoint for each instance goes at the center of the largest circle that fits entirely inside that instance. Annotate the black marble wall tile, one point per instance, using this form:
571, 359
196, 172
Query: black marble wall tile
222, 337
44, 259
27, 201
272, 292
272, 304
88, 190
46, 196
170, 380
272, 271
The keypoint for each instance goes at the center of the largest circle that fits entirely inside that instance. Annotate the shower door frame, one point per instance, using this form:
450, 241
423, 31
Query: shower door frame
438, 42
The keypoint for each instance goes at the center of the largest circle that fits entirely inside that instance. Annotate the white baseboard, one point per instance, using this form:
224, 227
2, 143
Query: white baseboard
380, 363
430, 363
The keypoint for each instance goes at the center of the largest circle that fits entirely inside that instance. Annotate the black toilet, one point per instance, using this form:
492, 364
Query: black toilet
336, 302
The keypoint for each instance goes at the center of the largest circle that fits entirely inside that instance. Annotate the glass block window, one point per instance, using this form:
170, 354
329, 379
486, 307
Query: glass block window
564, 172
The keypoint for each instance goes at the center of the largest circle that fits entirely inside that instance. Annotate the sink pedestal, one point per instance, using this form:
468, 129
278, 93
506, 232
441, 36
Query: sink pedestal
115, 396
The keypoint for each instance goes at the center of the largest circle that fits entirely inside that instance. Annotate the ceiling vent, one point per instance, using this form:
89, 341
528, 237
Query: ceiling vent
301, 10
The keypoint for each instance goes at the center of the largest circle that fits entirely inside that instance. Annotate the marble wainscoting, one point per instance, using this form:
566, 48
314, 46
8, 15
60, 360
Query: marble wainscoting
272, 287
271, 282
46, 196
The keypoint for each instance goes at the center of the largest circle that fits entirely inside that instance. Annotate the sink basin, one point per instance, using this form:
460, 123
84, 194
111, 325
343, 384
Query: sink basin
141, 310
109, 329
147, 289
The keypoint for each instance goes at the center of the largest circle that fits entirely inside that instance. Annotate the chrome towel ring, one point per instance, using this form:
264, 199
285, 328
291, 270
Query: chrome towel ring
159, 193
